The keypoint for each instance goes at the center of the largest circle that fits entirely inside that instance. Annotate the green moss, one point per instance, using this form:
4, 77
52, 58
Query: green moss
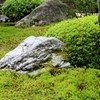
10, 36
2, 53
48, 64
63, 54
71, 84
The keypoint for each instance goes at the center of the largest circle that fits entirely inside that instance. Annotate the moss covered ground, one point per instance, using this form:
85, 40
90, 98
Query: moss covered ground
10, 36
65, 84
70, 84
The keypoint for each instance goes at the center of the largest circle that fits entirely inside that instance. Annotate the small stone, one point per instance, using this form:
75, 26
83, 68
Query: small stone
56, 60
66, 65
4, 18
33, 26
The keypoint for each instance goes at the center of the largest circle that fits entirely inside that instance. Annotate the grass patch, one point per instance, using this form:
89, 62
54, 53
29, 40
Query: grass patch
71, 84
10, 36
65, 84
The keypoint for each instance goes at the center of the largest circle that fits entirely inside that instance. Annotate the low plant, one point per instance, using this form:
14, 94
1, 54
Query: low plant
82, 39
71, 84
16, 9
55, 71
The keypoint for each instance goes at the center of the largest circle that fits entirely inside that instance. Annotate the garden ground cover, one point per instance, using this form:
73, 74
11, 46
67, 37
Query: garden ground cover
10, 36
69, 84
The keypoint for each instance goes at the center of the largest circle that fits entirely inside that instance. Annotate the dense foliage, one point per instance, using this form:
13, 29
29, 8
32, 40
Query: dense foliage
82, 6
16, 9
86, 6
82, 38
71, 84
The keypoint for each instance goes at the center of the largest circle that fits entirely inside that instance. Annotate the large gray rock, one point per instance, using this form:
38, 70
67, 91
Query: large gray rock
50, 11
32, 54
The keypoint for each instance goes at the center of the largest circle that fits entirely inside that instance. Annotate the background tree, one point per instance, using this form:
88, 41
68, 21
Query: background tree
99, 12
86, 6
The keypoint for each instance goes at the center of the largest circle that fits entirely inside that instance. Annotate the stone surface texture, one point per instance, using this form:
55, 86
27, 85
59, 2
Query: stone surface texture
58, 61
49, 11
32, 54
4, 18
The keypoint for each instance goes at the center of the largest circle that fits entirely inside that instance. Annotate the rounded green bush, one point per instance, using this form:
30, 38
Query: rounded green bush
16, 9
82, 39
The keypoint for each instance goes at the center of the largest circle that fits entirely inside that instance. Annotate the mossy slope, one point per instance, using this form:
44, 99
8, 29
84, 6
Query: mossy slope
70, 84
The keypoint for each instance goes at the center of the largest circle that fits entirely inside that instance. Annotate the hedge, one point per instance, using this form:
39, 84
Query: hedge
82, 39
16, 9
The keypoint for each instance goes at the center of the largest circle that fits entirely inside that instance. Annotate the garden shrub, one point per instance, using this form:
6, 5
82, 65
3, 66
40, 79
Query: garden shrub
86, 6
16, 9
82, 39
